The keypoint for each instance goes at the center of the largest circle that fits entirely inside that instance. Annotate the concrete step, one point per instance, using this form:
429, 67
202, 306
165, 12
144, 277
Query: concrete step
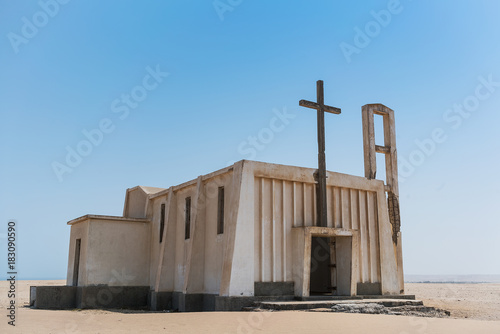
314, 304
330, 297
374, 308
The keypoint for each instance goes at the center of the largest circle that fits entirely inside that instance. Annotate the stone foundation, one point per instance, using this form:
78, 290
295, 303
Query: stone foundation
274, 288
53, 297
160, 301
141, 297
369, 289
89, 297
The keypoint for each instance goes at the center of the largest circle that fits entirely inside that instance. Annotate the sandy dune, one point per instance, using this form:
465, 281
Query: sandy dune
478, 301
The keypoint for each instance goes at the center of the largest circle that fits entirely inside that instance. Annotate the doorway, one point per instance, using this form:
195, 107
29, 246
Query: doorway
331, 266
76, 265
322, 272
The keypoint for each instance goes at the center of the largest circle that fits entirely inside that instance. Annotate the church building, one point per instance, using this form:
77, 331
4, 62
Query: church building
248, 232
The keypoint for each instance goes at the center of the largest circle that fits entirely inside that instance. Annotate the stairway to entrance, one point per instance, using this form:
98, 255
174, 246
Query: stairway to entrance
371, 305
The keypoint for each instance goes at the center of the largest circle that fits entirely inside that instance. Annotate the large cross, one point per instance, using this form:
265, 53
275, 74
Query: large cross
321, 108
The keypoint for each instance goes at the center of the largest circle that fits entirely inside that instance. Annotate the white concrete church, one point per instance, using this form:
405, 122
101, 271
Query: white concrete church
244, 233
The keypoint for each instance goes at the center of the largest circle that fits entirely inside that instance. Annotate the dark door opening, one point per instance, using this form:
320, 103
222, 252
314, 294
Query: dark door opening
323, 273
76, 262
331, 266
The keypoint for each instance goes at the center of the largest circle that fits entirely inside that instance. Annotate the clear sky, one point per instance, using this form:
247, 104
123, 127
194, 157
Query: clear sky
169, 90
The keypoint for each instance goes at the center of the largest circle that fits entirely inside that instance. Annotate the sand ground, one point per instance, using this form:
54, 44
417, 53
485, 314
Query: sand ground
473, 301
479, 303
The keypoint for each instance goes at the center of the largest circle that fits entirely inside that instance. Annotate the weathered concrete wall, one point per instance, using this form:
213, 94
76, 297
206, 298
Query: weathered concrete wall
154, 214
238, 266
112, 297
102, 296
343, 261
214, 242
118, 253
191, 265
273, 289
285, 198
181, 245
114, 251
135, 203
53, 297
288, 199
78, 231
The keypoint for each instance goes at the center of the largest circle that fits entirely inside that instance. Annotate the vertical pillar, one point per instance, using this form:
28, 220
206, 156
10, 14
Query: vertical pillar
391, 166
391, 158
168, 221
237, 277
369, 142
194, 256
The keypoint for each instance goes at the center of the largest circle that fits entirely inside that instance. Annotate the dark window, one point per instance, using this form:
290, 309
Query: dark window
220, 211
162, 222
187, 232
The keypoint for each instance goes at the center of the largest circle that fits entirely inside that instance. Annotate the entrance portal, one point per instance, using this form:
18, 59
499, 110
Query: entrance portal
322, 276
331, 261
76, 265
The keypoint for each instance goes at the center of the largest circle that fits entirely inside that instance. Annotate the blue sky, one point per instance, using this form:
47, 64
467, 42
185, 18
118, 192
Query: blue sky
224, 69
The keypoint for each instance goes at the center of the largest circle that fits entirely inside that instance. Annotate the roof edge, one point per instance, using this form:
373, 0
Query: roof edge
103, 217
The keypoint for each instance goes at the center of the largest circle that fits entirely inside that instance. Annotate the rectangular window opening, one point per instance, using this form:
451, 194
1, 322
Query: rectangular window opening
220, 211
187, 232
378, 123
162, 222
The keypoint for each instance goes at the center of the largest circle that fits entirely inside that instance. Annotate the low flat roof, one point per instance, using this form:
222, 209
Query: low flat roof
102, 217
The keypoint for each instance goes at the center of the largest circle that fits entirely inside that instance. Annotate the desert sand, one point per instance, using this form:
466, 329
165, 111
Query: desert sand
475, 308
479, 301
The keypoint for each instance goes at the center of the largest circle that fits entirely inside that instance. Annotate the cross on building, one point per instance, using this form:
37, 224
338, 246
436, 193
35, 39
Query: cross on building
321, 109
